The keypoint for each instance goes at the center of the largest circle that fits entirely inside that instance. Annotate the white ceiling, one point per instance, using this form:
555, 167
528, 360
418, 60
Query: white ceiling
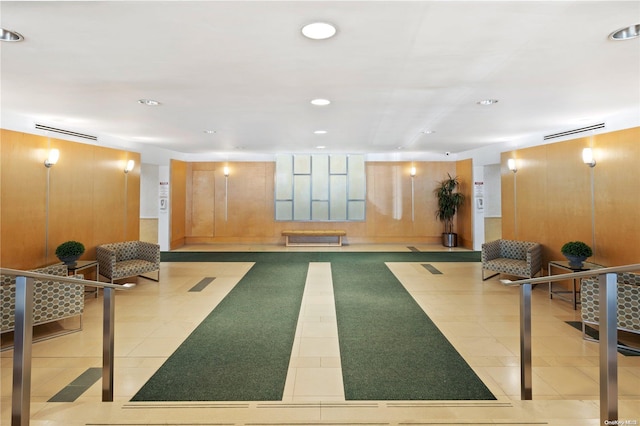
243, 69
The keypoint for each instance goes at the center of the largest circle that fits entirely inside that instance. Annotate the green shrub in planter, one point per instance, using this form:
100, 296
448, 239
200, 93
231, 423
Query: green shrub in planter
576, 252
69, 251
577, 248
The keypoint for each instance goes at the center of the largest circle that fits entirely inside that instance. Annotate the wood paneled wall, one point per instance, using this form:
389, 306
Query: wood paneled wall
248, 197
178, 203
90, 198
464, 223
549, 199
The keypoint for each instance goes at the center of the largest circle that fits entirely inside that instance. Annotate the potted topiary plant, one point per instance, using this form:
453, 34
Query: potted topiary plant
576, 252
449, 201
69, 252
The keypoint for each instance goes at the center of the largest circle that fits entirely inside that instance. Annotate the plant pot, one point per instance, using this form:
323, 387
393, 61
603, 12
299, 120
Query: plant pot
70, 261
450, 239
575, 262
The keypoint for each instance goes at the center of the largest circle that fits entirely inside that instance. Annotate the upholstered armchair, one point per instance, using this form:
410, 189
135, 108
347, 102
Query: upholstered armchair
628, 305
128, 259
52, 300
519, 258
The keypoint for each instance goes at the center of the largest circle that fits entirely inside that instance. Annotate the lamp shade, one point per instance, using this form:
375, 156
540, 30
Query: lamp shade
511, 164
587, 157
130, 165
54, 156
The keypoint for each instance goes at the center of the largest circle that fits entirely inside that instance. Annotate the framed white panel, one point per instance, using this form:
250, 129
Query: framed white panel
355, 210
284, 210
301, 164
338, 197
320, 177
301, 197
356, 176
320, 210
284, 177
338, 164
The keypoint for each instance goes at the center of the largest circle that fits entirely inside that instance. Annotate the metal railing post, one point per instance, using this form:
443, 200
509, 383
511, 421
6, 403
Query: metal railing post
23, 339
525, 342
108, 333
608, 326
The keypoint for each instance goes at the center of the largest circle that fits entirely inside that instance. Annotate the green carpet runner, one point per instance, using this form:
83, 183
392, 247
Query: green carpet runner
241, 351
389, 348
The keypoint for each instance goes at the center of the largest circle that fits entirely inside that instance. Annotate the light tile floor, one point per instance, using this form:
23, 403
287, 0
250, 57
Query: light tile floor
479, 318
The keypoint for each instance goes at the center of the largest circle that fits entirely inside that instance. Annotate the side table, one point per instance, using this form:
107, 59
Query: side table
85, 264
564, 265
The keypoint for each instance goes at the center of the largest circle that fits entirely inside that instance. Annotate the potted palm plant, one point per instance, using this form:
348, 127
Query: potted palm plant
449, 201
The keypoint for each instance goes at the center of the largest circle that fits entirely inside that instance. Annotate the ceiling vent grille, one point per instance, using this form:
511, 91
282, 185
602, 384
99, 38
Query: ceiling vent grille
574, 131
66, 132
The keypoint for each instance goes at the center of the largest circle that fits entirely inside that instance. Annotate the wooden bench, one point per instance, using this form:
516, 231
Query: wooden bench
314, 234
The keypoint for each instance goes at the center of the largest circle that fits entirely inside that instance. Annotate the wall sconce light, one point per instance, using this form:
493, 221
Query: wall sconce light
587, 157
413, 172
52, 159
130, 165
511, 164
226, 171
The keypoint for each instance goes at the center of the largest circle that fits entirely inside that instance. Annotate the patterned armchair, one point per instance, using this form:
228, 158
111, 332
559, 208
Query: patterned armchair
628, 302
519, 258
52, 301
128, 259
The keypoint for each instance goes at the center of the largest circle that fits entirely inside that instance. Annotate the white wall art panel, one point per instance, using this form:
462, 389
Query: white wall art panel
301, 197
284, 177
320, 188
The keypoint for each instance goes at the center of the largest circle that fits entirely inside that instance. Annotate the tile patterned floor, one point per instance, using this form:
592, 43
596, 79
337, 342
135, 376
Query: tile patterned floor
479, 318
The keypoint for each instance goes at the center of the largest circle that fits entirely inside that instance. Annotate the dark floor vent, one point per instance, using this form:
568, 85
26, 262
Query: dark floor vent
66, 132
574, 131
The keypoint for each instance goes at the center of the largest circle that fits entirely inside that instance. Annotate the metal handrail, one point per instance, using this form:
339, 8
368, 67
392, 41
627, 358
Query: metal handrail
23, 337
581, 274
608, 327
63, 279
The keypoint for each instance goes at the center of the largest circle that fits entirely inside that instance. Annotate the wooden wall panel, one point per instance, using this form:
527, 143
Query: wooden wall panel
86, 198
249, 201
202, 203
132, 231
464, 219
554, 203
508, 186
71, 197
250, 204
23, 195
178, 203
567, 201
617, 195
428, 176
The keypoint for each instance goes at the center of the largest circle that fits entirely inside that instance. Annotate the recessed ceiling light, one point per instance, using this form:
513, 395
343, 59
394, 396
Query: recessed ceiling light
148, 102
209, 132
320, 102
320, 147
428, 132
320, 132
626, 33
8, 35
487, 102
319, 30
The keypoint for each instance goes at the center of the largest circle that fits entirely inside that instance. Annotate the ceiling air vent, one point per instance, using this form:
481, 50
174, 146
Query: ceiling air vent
574, 131
66, 132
